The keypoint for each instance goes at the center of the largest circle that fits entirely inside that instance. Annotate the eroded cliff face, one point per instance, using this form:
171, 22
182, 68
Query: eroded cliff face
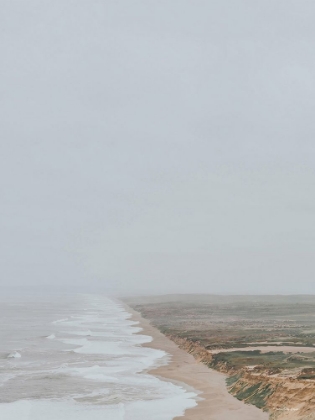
282, 394
194, 348
282, 397
264, 344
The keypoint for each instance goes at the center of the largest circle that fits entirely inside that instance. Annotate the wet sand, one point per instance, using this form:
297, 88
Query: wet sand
215, 402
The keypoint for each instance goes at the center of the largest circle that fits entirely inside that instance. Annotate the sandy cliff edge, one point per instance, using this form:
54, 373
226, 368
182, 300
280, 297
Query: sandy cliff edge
215, 402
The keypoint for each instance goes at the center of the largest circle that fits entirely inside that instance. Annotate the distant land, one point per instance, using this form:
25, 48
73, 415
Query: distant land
264, 344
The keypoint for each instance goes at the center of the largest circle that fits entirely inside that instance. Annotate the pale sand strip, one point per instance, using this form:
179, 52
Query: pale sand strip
266, 349
216, 402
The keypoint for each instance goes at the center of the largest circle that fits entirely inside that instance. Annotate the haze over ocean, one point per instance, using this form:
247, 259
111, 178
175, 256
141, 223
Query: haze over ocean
157, 154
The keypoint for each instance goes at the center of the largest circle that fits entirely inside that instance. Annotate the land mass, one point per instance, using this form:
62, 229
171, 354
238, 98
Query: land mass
182, 369
264, 344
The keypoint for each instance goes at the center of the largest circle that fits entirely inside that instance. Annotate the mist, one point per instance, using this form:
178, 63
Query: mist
157, 146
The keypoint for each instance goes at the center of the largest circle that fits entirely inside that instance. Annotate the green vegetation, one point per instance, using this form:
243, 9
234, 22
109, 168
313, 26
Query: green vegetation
232, 379
256, 394
280, 360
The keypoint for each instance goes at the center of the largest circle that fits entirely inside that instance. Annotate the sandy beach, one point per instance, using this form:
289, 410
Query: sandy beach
215, 402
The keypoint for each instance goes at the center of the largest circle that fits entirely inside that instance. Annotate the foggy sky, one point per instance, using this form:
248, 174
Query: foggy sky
157, 146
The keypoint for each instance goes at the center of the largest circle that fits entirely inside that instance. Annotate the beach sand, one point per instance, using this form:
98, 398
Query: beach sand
215, 402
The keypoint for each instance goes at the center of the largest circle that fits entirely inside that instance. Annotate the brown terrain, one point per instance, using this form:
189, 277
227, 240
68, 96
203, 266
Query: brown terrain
264, 344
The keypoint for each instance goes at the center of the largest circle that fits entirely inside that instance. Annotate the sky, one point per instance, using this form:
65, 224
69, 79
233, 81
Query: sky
157, 146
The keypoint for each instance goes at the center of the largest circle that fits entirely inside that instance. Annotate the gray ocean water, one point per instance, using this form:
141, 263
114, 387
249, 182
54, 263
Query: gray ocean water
80, 357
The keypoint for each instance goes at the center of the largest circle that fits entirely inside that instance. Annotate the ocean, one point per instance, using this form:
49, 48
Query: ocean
80, 357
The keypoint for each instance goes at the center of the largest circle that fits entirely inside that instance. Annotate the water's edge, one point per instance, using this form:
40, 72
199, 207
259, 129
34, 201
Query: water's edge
89, 362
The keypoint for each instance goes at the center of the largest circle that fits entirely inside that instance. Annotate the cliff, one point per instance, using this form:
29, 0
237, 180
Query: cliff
285, 395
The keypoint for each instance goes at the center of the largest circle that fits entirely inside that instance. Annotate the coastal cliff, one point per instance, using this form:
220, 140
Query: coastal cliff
264, 344
282, 396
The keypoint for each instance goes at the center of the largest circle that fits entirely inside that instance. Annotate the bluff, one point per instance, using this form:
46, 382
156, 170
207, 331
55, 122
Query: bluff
283, 397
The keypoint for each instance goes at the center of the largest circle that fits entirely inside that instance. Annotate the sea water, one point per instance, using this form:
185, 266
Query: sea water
73, 358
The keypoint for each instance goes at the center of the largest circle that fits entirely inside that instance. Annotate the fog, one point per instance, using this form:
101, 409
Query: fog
157, 146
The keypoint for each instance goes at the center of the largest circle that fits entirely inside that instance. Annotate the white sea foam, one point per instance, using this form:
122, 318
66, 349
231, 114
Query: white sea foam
105, 353
14, 355
167, 408
4, 378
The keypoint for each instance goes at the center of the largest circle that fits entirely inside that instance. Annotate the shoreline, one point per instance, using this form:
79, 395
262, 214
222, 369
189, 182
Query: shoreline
213, 400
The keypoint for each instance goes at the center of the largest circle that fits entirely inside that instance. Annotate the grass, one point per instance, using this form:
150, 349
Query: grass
269, 360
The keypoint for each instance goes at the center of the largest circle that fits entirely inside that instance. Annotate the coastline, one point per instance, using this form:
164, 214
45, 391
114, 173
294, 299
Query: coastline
214, 401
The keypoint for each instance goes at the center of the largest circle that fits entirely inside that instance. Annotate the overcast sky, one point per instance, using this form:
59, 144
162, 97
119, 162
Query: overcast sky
158, 146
